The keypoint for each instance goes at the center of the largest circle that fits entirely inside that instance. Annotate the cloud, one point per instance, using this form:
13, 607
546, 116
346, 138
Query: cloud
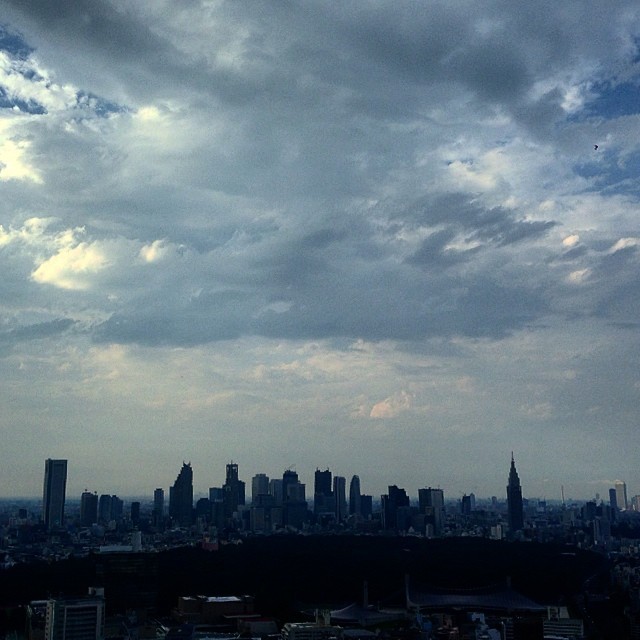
392, 406
71, 267
14, 163
300, 207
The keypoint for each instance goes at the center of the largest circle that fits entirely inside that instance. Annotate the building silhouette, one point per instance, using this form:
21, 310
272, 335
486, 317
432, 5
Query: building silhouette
394, 505
289, 477
233, 491
88, 508
323, 498
181, 497
294, 512
340, 495
621, 495
431, 505
104, 509
259, 486
135, 513
158, 507
515, 511
355, 497
54, 492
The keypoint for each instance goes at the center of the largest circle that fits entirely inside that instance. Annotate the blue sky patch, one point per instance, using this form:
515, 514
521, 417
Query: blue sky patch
615, 101
14, 44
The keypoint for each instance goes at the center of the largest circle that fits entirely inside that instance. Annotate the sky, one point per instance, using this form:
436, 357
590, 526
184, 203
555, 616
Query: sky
374, 236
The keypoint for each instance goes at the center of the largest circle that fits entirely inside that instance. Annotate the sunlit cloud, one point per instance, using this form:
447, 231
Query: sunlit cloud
392, 406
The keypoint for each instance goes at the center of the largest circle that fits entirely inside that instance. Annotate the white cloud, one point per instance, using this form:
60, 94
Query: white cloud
624, 243
300, 210
14, 161
28, 81
72, 267
153, 252
579, 276
392, 406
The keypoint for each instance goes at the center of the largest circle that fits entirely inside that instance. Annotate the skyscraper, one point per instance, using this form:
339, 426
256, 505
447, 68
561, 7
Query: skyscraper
234, 490
340, 494
431, 504
181, 497
323, 498
158, 507
104, 509
88, 508
295, 504
391, 502
322, 482
259, 486
54, 492
288, 477
515, 513
621, 495
355, 500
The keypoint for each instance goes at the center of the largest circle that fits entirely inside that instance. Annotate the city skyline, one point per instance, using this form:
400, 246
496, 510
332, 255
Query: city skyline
393, 239
185, 480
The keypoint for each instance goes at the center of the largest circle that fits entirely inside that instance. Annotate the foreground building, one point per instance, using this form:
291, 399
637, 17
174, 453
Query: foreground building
75, 618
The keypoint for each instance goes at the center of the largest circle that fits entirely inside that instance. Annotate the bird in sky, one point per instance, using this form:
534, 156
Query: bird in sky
595, 147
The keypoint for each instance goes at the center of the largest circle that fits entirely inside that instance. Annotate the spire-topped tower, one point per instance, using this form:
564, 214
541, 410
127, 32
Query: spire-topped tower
515, 512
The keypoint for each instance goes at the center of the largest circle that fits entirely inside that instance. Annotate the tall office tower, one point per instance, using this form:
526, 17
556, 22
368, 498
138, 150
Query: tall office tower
621, 495
233, 489
203, 510
355, 498
104, 509
158, 507
288, 477
75, 619
322, 482
323, 498
515, 512
88, 508
117, 508
53, 496
340, 495
431, 504
366, 506
465, 505
391, 503
135, 513
216, 501
181, 497
275, 489
296, 492
216, 494
294, 512
259, 486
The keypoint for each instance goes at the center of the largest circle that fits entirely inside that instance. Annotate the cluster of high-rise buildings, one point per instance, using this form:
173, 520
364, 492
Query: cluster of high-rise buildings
282, 502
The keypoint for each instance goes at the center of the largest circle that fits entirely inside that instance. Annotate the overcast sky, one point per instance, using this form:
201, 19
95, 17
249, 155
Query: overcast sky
370, 236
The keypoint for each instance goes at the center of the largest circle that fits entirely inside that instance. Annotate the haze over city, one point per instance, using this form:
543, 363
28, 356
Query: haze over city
395, 239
